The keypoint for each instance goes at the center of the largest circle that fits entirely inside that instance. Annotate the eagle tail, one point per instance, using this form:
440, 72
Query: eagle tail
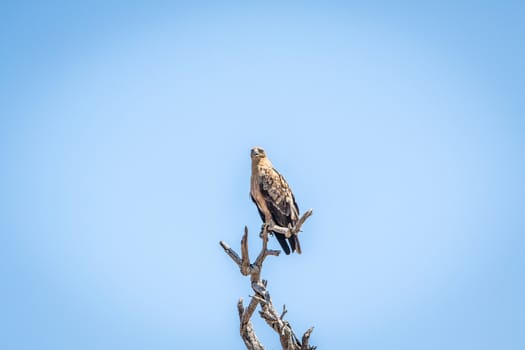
294, 243
282, 241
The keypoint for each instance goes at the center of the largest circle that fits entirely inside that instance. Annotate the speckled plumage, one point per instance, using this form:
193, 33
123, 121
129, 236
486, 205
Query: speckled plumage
274, 198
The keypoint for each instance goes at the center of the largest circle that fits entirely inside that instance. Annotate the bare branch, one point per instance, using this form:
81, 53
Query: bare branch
297, 228
262, 297
249, 311
306, 338
245, 267
231, 253
288, 232
247, 333
264, 250
284, 312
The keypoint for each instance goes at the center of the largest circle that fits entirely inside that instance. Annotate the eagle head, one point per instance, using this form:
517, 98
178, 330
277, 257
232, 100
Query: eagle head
258, 153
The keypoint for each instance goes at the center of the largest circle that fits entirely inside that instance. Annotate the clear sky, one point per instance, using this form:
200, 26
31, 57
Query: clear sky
124, 154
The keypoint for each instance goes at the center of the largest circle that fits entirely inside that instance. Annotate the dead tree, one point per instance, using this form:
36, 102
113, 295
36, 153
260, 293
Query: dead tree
261, 298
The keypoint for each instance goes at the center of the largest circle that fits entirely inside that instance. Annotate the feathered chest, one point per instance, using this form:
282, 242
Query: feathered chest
269, 186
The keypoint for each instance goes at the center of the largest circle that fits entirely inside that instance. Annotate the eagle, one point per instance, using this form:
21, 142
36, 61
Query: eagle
274, 199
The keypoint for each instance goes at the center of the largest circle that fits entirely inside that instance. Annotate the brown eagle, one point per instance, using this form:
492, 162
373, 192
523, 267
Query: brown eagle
274, 198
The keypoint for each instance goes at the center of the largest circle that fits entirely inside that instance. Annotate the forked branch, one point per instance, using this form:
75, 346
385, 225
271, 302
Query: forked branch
288, 232
276, 321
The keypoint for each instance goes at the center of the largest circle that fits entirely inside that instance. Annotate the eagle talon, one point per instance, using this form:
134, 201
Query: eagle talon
264, 227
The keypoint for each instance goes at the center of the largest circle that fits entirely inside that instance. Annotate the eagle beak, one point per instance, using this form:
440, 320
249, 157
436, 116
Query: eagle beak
257, 152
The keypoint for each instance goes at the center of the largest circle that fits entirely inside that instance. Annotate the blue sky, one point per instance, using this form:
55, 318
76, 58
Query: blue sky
124, 146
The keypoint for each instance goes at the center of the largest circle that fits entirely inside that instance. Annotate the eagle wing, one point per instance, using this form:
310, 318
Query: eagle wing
279, 198
274, 200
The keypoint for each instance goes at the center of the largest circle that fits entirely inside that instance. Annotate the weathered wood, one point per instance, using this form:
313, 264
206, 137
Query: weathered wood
245, 262
289, 231
246, 330
306, 339
231, 253
261, 298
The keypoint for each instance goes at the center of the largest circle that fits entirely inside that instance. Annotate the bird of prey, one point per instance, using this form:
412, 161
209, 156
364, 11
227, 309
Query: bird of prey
274, 198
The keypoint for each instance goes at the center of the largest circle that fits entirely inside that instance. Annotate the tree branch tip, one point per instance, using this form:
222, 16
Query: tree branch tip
284, 312
306, 338
273, 252
240, 308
